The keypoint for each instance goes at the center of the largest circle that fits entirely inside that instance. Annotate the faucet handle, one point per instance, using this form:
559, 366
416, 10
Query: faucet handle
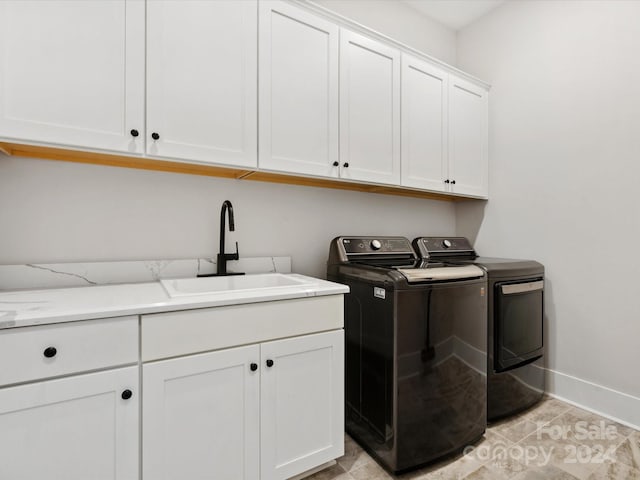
236, 256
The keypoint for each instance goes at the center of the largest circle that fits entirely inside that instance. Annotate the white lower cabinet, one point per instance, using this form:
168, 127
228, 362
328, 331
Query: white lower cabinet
302, 403
76, 428
237, 392
201, 416
266, 411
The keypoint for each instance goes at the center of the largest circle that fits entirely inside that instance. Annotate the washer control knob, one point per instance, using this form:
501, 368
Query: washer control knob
446, 243
376, 245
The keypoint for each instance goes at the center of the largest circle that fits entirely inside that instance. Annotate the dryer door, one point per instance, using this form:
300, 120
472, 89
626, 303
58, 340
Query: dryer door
519, 316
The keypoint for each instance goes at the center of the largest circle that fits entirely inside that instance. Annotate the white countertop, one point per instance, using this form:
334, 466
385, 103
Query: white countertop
23, 308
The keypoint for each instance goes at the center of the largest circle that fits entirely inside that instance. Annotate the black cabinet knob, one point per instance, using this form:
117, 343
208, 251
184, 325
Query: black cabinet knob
50, 352
134, 133
335, 164
127, 394
453, 182
269, 363
155, 136
446, 181
253, 367
345, 164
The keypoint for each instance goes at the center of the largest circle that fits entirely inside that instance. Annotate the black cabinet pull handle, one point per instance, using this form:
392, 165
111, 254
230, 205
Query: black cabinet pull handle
254, 367
155, 136
127, 394
335, 164
446, 181
345, 164
134, 133
50, 352
453, 182
269, 363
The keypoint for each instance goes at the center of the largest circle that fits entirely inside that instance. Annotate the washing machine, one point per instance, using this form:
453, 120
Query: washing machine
416, 350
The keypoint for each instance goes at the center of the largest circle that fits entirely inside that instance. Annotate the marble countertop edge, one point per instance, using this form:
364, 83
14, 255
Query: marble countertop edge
22, 308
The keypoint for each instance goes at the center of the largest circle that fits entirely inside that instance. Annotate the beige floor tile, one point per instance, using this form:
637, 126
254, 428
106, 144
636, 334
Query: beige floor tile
507, 460
516, 431
450, 469
485, 473
491, 436
354, 456
628, 452
577, 460
483, 449
335, 472
541, 444
370, 471
548, 472
615, 471
497, 454
585, 428
545, 411
604, 423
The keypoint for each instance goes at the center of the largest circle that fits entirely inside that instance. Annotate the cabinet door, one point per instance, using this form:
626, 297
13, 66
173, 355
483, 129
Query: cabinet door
72, 73
76, 428
298, 91
302, 411
369, 110
424, 124
468, 138
201, 417
202, 80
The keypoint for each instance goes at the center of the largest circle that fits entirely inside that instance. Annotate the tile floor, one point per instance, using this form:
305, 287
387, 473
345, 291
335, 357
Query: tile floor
552, 440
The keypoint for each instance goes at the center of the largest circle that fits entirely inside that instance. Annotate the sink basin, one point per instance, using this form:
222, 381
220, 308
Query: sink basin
231, 284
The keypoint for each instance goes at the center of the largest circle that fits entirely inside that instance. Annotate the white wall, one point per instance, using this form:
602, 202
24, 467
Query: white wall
64, 212
564, 176
400, 22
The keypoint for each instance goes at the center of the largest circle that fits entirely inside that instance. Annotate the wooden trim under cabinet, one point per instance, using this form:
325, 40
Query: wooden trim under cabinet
144, 163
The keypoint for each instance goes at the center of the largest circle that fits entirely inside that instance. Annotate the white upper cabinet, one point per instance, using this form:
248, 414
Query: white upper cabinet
72, 73
202, 81
424, 124
468, 138
250, 84
298, 91
369, 110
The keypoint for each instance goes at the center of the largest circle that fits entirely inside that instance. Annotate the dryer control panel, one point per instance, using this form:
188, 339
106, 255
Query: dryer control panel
429, 247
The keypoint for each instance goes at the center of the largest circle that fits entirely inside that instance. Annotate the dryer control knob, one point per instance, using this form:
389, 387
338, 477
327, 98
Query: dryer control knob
446, 243
376, 245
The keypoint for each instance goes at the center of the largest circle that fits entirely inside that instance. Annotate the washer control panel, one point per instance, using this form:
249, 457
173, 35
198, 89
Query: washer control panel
372, 245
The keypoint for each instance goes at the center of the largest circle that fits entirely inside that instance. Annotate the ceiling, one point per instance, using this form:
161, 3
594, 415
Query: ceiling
455, 14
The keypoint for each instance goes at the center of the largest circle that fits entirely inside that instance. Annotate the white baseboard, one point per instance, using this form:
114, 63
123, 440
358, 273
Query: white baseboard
617, 406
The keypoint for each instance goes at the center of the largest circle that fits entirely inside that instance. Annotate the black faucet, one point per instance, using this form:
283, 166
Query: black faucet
224, 257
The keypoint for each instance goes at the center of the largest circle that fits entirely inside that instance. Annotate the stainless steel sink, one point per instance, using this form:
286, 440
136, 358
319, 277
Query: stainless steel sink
263, 282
